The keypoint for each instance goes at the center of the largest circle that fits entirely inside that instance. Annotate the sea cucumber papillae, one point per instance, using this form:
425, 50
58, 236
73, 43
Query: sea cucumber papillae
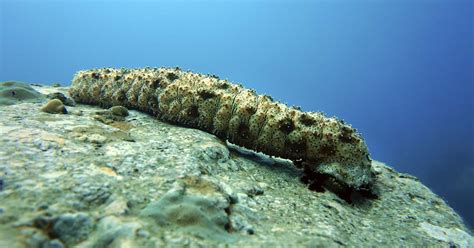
326, 146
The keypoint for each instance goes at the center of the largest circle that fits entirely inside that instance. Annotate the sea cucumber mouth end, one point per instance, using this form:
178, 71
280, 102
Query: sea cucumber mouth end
341, 178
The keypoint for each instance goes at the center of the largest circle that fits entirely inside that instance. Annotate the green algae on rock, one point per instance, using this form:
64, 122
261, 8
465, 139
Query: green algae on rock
119, 111
323, 145
13, 92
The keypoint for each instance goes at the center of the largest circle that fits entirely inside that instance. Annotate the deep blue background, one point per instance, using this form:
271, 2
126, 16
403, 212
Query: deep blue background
400, 71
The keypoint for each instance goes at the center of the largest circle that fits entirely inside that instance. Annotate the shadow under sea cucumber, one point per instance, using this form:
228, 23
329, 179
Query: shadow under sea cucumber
323, 145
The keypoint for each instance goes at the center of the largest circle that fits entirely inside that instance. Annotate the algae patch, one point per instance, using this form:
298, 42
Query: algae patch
199, 213
13, 92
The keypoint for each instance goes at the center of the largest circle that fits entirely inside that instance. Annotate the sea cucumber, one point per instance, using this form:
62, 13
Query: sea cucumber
325, 146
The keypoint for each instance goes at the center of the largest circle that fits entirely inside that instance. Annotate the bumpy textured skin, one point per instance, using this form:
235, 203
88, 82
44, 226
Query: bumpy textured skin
325, 145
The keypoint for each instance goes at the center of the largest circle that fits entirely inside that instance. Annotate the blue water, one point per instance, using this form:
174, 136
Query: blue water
401, 72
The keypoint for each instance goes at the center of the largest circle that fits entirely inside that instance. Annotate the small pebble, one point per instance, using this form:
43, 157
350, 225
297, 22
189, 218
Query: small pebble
143, 233
54, 106
60, 96
73, 228
43, 207
254, 191
42, 222
119, 111
53, 244
38, 239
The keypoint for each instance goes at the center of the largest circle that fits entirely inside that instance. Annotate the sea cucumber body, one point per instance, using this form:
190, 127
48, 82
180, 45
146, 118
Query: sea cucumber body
234, 113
